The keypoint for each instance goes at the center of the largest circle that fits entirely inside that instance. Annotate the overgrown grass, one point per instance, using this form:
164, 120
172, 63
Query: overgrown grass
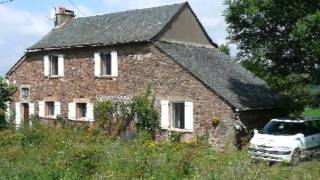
46, 152
311, 112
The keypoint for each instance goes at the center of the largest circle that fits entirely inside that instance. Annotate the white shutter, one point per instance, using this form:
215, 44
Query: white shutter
60, 65
57, 108
18, 114
164, 114
114, 63
46, 64
188, 115
72, 111
97, 64
90, 112
41, 109
31, 109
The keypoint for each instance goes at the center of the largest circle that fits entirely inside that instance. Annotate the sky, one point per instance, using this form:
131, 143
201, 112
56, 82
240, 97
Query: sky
24, 22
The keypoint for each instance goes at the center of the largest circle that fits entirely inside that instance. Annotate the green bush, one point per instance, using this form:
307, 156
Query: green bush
114, 118
148, 116
3, 122
117, 118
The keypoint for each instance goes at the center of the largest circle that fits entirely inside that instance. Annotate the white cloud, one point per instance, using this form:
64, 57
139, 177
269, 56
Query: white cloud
19, 29
22, 22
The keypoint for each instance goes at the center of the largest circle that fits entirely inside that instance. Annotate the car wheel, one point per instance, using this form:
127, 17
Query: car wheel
295, 159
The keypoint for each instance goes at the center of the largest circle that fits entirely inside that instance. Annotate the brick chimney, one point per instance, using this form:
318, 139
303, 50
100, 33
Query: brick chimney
63, 16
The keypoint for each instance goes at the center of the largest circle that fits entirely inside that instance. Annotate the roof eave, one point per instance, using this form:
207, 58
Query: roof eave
86, 45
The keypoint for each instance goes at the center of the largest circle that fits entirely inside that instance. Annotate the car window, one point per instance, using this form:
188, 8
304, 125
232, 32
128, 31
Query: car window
284, 128
313, 127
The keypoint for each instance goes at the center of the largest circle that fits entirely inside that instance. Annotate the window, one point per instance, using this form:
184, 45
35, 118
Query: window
50, 109
81, 110
106, 64
178, 115
24, 93
54, 65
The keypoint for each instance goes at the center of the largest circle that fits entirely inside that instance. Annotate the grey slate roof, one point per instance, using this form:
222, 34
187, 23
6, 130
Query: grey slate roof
227, 78
121, 27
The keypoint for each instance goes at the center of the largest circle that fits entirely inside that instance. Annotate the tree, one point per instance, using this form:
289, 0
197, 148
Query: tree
225, 49
279, 41
5, 96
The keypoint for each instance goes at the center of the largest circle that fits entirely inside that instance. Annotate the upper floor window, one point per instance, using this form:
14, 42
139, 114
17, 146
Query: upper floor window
106, 64
54, 65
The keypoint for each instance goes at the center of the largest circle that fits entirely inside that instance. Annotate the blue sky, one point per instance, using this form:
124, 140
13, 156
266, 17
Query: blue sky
23, 22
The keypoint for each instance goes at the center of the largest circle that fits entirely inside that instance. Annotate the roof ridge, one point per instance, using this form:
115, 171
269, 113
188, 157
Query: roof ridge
132, 10
188, 44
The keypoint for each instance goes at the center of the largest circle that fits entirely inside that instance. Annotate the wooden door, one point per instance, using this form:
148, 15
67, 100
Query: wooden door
25, 115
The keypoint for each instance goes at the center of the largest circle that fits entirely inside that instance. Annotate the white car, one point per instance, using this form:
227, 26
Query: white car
286, 139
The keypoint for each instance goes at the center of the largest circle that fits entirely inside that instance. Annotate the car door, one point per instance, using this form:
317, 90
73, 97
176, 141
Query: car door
311, 135
317, 136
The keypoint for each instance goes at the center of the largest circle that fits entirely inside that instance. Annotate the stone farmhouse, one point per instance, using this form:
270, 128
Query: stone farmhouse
198, 89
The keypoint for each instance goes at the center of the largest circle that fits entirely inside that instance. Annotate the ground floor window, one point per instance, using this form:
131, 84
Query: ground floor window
50, 109
178, 119
177, 115
81, 110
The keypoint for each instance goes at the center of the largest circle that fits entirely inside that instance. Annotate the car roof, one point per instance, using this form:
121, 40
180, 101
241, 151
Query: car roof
296, 119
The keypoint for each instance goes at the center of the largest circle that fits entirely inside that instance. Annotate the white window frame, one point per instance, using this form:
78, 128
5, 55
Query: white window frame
167, 116
98, 64
43, 109
73, 111
48, 66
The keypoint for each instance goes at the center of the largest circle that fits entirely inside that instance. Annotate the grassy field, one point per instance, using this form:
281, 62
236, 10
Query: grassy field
311, 112
66, 153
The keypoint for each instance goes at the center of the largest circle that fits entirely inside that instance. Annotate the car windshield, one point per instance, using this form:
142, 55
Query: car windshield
284, 128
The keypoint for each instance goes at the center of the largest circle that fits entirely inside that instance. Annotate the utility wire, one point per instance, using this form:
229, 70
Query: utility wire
77, 8
3, 2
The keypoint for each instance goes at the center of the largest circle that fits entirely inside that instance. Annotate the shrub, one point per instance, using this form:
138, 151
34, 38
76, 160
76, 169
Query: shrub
114, 118
117, 118
3, 122
148, 116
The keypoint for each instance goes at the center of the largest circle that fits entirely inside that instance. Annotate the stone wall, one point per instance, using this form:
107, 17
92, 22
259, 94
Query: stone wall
140, 66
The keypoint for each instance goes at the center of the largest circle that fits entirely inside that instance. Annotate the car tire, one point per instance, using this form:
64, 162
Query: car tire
296, 156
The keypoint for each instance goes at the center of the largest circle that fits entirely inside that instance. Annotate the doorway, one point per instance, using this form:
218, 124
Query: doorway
25, 113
